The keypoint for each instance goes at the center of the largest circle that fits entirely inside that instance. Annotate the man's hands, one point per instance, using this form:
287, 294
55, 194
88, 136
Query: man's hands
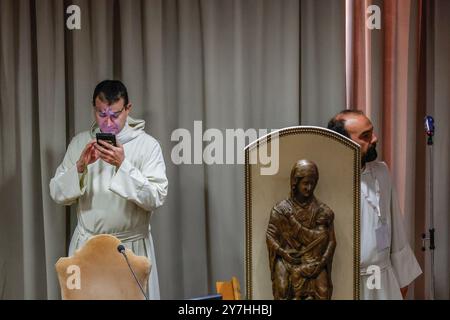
103, 150
88, 156
110, 154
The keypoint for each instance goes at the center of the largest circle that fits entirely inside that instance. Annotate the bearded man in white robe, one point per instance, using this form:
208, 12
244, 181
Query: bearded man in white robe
383, 240
116, 188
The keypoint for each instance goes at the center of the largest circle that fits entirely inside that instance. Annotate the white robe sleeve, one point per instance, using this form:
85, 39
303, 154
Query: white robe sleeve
147, 187
68, 185
405, 265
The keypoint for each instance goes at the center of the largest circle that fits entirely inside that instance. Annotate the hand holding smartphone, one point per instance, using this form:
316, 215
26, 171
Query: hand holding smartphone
108, 137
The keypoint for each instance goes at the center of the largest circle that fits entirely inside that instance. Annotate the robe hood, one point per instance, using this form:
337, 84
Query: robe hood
132, 129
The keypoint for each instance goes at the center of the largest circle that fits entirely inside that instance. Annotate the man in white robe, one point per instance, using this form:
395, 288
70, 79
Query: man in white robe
116, 189
383, 240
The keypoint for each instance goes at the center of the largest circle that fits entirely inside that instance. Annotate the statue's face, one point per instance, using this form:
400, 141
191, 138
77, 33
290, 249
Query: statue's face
306, 185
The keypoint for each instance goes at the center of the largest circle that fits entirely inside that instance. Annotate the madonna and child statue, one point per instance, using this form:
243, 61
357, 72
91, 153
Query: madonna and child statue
301, 240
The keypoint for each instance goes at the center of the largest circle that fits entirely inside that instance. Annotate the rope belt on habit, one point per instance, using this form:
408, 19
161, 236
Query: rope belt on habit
382, 265
124, 236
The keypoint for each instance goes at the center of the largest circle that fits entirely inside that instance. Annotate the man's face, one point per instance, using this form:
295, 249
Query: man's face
111, 118
360, 130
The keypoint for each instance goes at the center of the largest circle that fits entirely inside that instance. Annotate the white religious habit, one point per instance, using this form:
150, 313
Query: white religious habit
383, 241
114, 201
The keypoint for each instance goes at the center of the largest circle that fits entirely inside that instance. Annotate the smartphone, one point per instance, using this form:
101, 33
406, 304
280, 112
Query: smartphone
108, 137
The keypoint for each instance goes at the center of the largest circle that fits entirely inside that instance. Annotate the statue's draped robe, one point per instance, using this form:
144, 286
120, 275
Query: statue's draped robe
281, 234
318, 243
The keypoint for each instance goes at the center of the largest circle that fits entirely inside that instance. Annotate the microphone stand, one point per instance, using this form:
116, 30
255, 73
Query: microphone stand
121, 249
430, 238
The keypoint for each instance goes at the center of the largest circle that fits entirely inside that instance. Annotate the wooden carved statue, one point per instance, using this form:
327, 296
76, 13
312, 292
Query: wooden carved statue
301, 240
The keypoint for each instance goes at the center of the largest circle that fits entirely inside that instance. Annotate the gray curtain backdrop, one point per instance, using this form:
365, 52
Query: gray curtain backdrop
228, 63
438, 105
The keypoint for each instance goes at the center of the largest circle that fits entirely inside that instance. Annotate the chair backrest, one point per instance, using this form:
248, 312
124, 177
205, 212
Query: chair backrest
230, 290
98, 271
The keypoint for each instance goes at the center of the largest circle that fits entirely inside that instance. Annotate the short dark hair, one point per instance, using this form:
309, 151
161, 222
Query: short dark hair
337, 123
110, 91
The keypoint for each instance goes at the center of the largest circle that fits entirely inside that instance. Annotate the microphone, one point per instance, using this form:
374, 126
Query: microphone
429, 129
121, 249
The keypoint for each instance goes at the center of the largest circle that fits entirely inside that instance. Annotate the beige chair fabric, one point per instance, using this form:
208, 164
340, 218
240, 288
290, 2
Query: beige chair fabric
98, 271
230, 290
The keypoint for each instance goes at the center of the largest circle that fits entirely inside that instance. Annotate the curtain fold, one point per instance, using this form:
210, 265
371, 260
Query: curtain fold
229, 64
323, 81
394, 78
438, 102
